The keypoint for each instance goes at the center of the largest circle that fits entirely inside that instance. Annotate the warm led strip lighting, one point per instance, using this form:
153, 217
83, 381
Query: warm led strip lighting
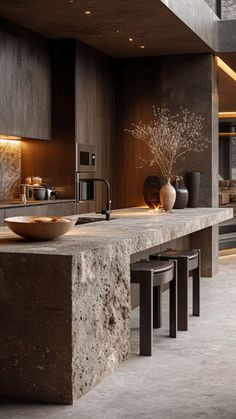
9, 137
227, 69
227, 134
227, 115
13, 142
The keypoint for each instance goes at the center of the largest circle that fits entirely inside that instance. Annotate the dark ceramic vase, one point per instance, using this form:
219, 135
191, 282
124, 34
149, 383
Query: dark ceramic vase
151, 190
181, 194
193, 184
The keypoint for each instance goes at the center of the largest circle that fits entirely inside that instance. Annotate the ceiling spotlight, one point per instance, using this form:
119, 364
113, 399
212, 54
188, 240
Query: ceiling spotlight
87, 12
130, 39
142, 46
117, 31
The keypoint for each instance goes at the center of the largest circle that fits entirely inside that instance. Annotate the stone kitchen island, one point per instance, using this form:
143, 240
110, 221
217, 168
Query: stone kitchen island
65, 304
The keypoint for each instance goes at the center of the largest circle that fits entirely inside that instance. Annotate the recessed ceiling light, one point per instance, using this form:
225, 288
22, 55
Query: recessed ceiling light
142, 46
87, 12
131, 39
117, 31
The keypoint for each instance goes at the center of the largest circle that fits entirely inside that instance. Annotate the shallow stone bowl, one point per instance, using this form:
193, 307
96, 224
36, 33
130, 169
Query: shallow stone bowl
39, 228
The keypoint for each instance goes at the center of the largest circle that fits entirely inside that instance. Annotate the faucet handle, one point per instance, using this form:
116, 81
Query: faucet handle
107, 212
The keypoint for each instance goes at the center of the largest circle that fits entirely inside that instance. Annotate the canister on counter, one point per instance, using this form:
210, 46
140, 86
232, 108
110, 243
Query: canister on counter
28, 180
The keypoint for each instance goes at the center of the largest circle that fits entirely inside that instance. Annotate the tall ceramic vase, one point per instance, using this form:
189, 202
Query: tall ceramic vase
167, 196
181, 193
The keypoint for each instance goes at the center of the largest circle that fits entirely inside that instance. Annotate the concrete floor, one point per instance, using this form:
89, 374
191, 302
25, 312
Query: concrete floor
193, 376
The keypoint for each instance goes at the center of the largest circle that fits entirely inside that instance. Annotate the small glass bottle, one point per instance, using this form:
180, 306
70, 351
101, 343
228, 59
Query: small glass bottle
23, 194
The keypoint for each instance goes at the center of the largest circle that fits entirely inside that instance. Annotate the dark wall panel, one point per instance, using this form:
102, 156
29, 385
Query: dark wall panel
25, 83
138, 88
190, 81
55, 160
95, 100
82, 110
187, 81
224, 157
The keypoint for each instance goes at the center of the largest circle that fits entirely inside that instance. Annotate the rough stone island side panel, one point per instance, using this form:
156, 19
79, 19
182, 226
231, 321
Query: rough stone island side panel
35, 332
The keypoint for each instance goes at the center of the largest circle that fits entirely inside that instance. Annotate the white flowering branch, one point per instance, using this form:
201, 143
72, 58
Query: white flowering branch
170, 137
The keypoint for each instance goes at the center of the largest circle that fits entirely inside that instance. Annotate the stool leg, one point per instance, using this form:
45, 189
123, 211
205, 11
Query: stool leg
196, 287
146, 315
173, 303
157, 301
183, 274
157, 309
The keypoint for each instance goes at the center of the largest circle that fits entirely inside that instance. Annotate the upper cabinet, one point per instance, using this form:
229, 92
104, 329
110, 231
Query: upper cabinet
25, 83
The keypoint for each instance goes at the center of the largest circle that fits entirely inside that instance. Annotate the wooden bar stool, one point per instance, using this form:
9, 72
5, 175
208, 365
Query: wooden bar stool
188, 261
152, 275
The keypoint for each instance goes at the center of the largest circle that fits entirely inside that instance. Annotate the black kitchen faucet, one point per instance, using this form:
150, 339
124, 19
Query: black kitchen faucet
106, 211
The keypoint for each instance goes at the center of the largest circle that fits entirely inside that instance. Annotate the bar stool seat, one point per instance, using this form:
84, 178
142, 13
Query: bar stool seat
151, 276
188, 261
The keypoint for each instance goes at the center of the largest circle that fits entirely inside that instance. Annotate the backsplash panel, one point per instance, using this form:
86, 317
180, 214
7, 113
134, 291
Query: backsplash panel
10, 169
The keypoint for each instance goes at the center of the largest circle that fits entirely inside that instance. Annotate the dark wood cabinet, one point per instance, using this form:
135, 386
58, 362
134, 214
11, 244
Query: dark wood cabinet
95, 111
25, 83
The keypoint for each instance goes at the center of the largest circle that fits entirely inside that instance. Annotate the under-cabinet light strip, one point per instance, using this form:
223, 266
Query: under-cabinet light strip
227, 134
227, 115
9, 137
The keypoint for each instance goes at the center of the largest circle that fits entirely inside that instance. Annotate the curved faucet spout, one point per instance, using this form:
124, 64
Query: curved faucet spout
107, 210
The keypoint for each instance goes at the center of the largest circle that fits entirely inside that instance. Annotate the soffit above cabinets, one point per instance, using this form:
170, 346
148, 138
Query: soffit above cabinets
110, 25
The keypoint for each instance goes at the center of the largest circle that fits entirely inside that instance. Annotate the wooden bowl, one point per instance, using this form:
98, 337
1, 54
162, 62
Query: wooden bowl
39, 228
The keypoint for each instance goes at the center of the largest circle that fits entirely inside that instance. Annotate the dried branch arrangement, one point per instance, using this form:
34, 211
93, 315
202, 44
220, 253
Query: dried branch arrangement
169, 137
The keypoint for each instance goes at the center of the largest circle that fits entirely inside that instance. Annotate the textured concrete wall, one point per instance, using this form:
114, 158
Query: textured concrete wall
226, 36
10, 169
190, 81
197, 16
212, 4
228, 9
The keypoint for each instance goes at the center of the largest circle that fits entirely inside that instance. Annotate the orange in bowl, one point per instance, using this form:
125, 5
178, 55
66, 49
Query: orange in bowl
40, 228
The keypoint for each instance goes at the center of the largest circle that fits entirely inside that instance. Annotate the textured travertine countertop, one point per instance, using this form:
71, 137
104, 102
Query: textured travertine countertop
139, 227
65, 304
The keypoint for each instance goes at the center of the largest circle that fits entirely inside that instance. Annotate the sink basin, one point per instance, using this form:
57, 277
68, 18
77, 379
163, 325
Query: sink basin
87, 220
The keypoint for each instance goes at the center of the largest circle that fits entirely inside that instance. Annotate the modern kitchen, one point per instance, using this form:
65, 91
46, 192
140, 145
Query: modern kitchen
90, 240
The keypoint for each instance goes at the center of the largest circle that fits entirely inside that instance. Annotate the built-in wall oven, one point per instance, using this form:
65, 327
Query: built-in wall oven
85, 172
